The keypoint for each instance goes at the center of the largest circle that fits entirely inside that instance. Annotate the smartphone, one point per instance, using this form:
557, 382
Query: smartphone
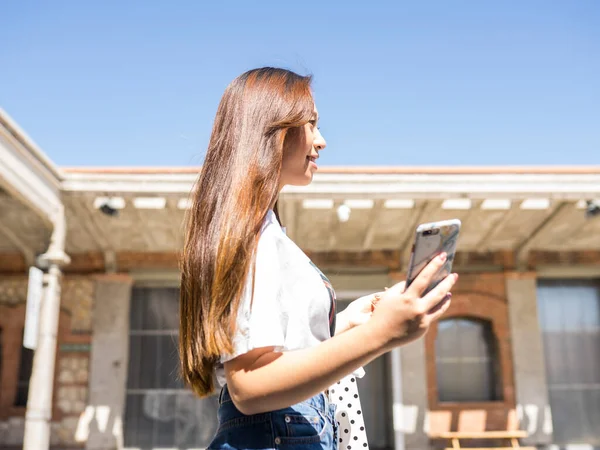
431, 239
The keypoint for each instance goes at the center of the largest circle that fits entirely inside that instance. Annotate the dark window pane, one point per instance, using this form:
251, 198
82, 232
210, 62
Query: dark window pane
569, 317
449, 378
139, 425
160, 408
466, 361
196, 420
154, 309
136, 310
159, 412
567, 419
25, 367
168, 363
148, 362
134, 375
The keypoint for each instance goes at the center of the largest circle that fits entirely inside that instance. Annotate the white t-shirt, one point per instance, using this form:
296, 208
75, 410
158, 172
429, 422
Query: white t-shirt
294, 308
292, 304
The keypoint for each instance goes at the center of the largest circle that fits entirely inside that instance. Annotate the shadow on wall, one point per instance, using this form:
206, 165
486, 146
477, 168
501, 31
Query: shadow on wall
97, 423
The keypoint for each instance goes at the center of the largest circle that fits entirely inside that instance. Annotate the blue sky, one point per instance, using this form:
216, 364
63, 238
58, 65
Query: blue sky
113, 83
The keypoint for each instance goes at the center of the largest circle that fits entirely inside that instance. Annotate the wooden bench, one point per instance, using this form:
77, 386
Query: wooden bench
456, 436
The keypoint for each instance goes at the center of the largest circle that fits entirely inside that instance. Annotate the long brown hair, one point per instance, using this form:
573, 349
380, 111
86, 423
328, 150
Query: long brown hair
238, 183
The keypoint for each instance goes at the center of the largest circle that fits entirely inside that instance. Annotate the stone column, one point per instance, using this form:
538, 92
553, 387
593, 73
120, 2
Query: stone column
409, 383
414, 408
528, 356
108, 362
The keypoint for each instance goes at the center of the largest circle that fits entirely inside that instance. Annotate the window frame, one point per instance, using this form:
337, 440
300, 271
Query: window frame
483, 306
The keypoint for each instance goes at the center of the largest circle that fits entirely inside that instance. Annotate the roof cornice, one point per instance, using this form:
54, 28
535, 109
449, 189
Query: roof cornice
375, 170
362, 184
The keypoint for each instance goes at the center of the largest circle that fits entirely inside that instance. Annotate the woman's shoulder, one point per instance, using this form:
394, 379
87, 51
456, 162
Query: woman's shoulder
273, 244
271, 230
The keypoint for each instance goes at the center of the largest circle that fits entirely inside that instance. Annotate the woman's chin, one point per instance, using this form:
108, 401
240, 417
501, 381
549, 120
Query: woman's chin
303, 180
299, 179
309, 176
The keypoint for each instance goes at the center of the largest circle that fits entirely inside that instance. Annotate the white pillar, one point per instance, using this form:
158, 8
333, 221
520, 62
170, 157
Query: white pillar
39, 400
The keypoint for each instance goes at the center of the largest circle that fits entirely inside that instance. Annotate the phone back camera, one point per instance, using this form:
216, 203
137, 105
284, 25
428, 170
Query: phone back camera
431, 232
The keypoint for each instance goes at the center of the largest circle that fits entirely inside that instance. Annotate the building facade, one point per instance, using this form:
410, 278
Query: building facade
519, 347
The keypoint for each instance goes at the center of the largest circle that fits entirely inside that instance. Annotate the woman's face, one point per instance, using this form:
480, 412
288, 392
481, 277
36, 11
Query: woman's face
301, 152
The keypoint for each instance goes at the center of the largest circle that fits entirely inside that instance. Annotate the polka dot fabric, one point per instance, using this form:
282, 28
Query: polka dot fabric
349, 416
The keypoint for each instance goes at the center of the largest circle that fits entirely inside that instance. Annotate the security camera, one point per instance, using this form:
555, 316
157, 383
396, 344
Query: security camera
110, 206
592, 209
109, 210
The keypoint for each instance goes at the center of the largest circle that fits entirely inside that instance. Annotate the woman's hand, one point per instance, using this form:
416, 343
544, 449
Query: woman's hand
357, 313
403, 315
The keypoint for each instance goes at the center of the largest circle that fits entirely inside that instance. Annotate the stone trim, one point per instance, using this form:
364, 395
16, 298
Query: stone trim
531, 388
572, 272
564, 258
116, 277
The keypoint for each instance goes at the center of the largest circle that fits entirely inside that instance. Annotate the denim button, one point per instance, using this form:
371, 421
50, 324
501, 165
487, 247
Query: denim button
278, 440
287, 419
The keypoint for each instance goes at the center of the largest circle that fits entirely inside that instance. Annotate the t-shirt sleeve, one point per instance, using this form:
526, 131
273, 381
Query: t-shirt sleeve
262, 319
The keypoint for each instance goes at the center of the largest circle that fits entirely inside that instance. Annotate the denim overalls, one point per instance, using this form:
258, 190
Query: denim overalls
307, 425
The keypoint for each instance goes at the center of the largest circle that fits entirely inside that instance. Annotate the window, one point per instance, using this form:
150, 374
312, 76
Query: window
25, 367
569, 314
159, 411
466, 360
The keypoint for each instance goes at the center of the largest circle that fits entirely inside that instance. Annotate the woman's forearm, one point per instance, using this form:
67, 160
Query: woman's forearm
277, 380
341, 323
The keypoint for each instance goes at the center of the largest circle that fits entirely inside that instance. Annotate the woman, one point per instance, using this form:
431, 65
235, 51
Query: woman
254, 310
